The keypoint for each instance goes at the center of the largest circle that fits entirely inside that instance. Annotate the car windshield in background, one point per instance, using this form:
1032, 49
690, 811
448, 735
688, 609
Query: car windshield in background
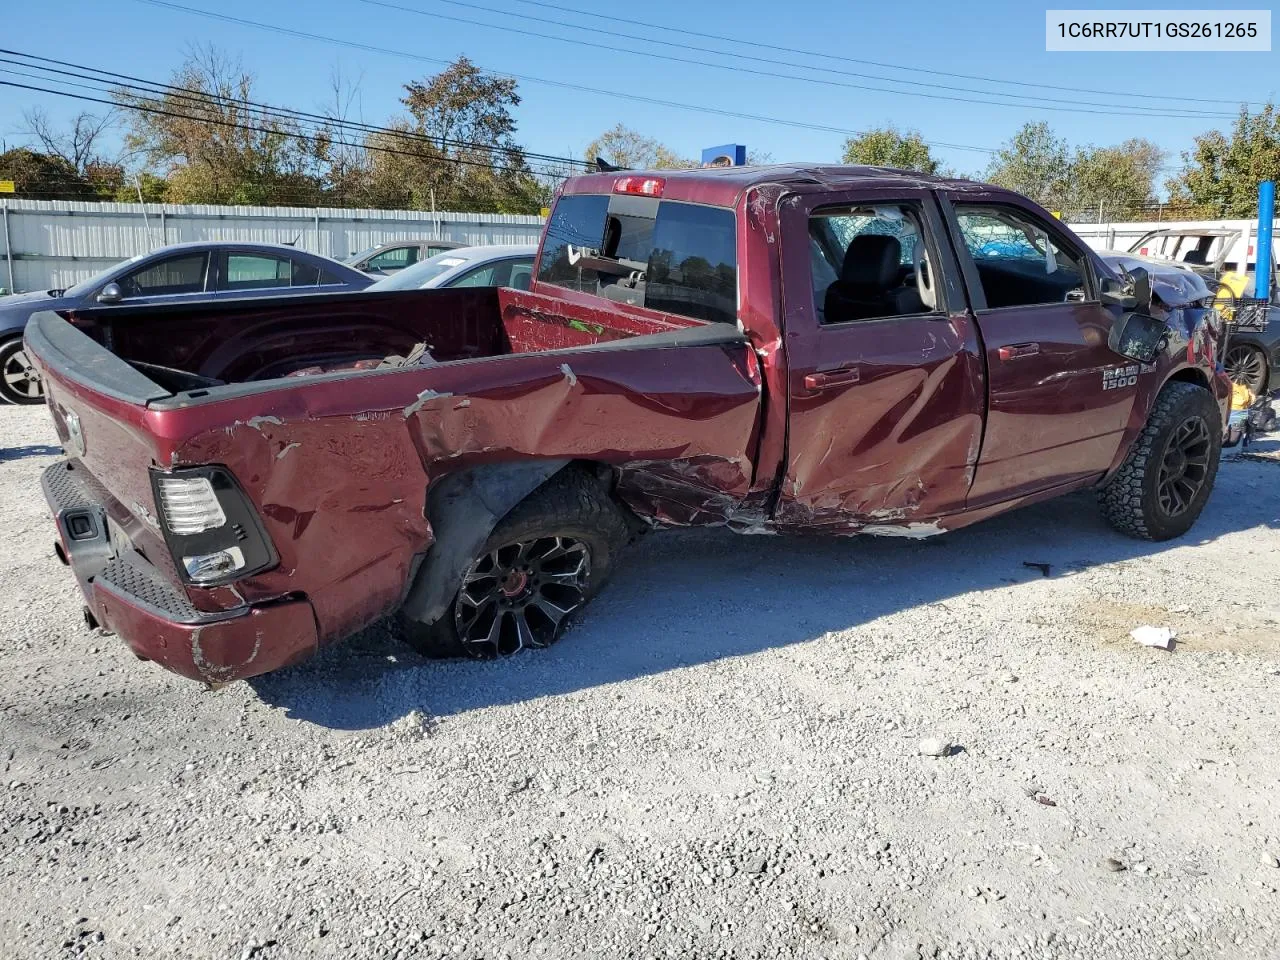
420, 274
361, 255
84, 286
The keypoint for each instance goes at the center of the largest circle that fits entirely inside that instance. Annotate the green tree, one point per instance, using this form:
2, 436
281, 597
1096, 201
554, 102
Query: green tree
891, 147
1034, 163
1220, 176
632, 150
1116, 183
43, 176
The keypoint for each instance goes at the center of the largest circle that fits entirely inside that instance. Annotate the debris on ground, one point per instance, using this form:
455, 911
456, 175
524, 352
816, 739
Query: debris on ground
1044, 568
933, 747
1160, 637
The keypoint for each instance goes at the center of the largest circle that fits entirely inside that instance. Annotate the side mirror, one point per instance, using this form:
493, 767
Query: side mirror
1138, 337
1117, 293
111, 293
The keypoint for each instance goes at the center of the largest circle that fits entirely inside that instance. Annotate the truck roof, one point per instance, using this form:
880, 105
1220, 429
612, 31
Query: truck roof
722, 186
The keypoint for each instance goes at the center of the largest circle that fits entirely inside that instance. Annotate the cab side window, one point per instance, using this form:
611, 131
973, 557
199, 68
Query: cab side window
1018, 261
870, 263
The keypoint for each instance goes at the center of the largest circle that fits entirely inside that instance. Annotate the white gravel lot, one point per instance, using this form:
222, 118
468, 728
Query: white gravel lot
719, 760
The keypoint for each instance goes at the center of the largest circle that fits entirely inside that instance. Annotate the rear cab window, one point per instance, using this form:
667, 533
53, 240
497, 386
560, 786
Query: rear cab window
666, 255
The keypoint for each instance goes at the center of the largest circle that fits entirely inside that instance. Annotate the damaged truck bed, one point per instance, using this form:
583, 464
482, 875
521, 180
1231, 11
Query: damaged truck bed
785, 349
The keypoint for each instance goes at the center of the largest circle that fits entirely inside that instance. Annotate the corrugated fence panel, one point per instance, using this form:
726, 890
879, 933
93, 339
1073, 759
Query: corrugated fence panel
56, 243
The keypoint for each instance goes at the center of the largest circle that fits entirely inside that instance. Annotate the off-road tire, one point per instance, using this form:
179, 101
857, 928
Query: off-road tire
573, 504
1130, 500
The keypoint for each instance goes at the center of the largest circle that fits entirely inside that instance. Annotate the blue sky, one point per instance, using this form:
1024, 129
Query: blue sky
999, 39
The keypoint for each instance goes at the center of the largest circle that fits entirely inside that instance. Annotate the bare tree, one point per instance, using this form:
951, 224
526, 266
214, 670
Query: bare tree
81, 144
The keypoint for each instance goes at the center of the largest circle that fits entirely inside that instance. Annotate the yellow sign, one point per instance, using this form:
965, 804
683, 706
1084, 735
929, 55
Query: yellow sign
1057, 213
7, 186
545, 212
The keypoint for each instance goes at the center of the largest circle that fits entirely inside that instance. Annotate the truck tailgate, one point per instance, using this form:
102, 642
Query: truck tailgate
99, 407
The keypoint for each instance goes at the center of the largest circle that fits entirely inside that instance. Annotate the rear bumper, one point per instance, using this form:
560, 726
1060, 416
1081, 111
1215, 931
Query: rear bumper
130, 596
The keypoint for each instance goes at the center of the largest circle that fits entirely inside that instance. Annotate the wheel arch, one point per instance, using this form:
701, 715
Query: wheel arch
464, 507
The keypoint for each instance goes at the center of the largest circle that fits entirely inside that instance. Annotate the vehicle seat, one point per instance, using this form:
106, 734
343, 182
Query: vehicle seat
869, 284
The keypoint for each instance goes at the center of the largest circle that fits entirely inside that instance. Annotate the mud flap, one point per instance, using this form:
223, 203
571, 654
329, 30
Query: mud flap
463, 510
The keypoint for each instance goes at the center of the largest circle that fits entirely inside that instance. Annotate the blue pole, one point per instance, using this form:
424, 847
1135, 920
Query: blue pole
1266, 213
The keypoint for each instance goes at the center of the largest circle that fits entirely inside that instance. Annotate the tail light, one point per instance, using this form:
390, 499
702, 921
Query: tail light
210, 526
640, 186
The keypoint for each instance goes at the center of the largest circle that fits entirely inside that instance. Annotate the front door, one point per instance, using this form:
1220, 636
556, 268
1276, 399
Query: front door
1059, 398
886, 389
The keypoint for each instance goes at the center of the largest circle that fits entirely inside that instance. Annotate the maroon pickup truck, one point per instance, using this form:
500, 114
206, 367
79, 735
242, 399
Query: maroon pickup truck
778, 349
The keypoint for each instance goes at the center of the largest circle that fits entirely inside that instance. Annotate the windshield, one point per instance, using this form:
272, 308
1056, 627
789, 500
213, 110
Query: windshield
361, 255
84, 286
421, 273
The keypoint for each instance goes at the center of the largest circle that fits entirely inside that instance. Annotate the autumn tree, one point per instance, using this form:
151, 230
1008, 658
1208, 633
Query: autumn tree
213, 145
1221, 175
623, 147
457, 143
890, 147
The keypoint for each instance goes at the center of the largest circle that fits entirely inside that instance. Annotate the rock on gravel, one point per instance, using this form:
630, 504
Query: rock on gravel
933, 747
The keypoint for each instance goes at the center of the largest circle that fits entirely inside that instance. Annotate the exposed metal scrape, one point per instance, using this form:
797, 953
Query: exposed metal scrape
257, 422
569, 374
912, 531
281, 454
423, 397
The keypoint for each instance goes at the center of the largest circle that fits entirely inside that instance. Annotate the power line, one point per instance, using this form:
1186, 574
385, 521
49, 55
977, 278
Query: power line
1039, 101
595, 14
581, 88
203, 97
240, 126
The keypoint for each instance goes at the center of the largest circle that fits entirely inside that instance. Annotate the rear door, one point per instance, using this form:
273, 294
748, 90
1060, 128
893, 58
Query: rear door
885, 387
1059, 399
252, 273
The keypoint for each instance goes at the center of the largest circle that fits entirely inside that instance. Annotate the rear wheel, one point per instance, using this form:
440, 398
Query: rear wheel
1247, 366
539, 567
1162, 487
19, 381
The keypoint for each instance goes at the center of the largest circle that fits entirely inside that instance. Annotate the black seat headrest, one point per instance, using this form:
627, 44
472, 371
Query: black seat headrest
871, 261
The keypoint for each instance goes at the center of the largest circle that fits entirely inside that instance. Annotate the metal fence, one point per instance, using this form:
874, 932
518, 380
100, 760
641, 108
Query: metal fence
56, 243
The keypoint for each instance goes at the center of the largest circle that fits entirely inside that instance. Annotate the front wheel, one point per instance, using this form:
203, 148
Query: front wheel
1163, 484
539, 567
19, 381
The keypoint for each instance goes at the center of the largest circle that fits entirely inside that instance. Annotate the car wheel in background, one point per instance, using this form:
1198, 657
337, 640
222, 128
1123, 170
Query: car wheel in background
19, 382
1247, 366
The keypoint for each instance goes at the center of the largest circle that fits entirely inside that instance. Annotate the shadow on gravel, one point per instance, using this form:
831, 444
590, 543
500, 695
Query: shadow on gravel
32, 450
683, 598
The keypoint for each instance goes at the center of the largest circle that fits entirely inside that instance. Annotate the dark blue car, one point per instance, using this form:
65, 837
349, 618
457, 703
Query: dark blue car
184, 271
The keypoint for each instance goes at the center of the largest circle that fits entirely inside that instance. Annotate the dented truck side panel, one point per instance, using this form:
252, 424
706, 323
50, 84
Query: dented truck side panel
376, 479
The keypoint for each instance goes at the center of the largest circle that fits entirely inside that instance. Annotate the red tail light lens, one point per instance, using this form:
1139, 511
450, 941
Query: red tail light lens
640, 186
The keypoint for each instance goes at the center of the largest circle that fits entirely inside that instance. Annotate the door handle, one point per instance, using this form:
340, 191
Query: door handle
1016, 350
825, 380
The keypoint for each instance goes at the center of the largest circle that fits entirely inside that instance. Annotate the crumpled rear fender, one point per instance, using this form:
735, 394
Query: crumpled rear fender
463, 509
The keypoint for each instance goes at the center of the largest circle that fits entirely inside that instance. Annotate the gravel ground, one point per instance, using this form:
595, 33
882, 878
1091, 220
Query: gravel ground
722, 759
